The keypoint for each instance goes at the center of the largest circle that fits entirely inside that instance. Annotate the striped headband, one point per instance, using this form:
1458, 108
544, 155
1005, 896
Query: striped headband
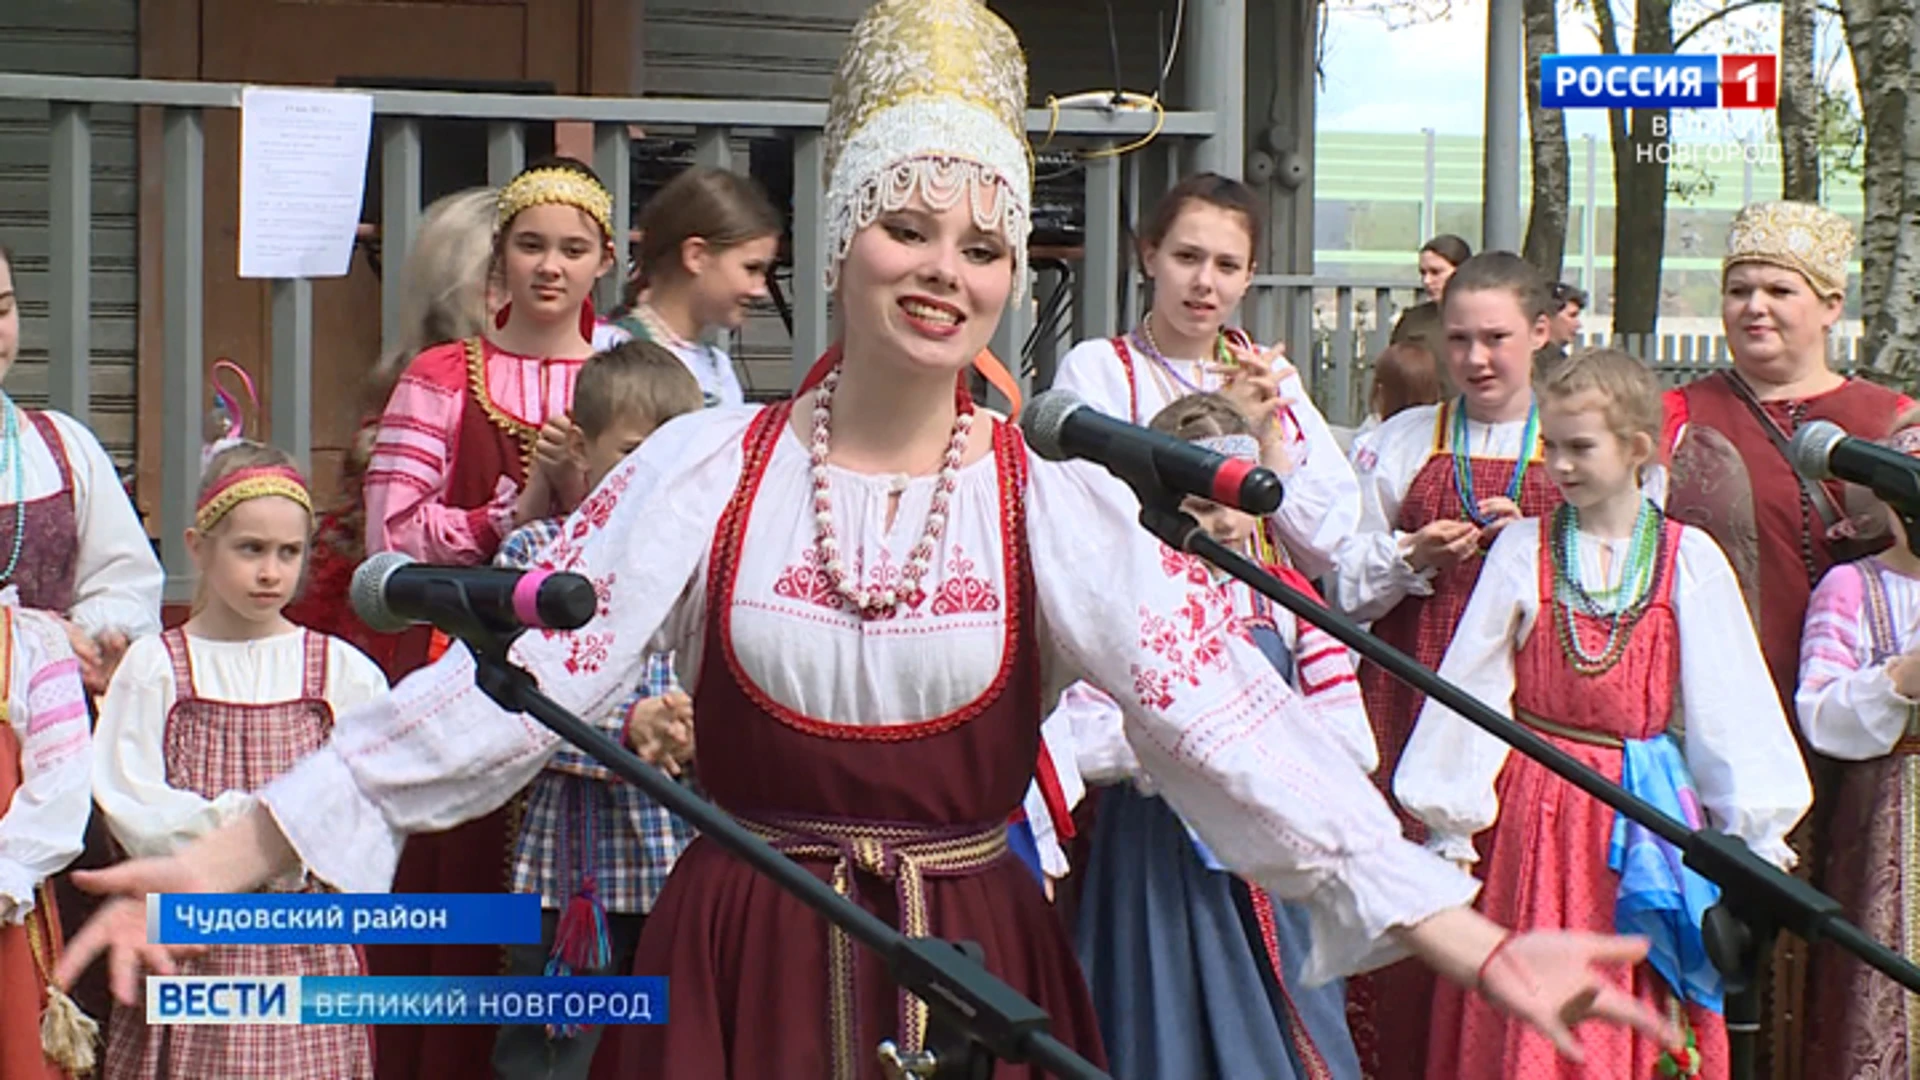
242, 485
1244, 447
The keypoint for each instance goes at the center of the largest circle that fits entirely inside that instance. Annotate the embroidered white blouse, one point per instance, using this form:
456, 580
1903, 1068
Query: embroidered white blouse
44, 826
1269, 788
1738, 746
1849, 708
117, 578
147, 815
1322, 502
1087, 737
1324, 677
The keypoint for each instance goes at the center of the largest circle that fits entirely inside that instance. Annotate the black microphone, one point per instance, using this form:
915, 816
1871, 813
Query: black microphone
1821, 450
392, 592
1060, 426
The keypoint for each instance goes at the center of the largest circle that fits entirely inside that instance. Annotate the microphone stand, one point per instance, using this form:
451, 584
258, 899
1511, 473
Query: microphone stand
1757, 900
974, 1019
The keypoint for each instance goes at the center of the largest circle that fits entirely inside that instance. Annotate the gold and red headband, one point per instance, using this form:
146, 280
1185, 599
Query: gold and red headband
242, 485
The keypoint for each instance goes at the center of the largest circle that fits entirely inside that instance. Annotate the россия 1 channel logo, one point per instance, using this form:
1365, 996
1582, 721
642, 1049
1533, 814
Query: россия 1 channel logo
1688, 81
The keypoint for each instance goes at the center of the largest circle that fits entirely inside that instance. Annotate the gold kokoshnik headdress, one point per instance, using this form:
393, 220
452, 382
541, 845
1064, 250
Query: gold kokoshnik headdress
1810, 240
930, 99
553, 185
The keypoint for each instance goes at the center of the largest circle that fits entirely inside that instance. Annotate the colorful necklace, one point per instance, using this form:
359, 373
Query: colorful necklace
1463, 460
1144, 337
14, 461
880, 602
1621, 606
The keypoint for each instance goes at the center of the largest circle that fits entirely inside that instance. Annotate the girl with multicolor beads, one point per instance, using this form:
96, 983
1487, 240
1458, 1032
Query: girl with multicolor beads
197, 719
70, 541
1438, 483
1199, 248
1859, 684
707, 241
1619, 635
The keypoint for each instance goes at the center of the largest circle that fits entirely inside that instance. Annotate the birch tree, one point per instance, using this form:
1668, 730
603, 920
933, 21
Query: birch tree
1798, 119
1880, 41
1546, 242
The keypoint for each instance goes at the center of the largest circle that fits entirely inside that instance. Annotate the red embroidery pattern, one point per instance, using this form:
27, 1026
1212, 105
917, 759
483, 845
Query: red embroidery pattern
1179, 564
603, 591
586, 653
593, 513
963, 592
1191, 639
807, 582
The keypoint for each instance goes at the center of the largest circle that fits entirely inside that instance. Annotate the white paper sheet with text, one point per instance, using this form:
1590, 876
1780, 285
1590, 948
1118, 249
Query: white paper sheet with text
303, 172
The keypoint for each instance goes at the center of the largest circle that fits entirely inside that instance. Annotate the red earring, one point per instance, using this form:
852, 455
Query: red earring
500, 317
587, 319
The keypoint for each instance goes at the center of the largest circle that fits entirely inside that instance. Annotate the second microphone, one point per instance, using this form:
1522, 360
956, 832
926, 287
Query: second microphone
1060, 426
391, 592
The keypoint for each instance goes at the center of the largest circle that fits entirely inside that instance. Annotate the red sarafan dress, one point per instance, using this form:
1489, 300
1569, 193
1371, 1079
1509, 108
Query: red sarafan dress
884, 749
1408, 478
447, 465
1690, 667
214, 747
907, 818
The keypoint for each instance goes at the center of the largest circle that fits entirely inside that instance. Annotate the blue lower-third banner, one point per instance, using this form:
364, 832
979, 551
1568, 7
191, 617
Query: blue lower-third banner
343, 919
571, 1000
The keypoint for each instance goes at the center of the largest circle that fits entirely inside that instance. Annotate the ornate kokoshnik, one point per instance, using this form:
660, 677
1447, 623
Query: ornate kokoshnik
930, 99
243, 484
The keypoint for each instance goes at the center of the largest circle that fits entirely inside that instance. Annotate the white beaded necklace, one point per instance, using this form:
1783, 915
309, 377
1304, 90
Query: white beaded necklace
881, 602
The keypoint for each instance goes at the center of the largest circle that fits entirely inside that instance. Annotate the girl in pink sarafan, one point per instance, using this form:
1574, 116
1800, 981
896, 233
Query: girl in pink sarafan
1859, 684
1618, 635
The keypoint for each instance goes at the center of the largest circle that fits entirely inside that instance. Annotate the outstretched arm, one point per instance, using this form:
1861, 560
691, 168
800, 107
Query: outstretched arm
1272, 792
437, 751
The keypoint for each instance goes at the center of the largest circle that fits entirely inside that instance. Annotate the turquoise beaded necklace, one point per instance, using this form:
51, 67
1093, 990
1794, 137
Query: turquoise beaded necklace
12, 460
1621, 606
1463, 460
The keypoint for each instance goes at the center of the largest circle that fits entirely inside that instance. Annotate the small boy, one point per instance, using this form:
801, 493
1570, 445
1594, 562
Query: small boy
592, 846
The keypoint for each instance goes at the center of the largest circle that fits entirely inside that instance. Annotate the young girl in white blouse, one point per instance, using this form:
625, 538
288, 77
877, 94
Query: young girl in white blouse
70, 542
198, 718
707, 241
1620, 636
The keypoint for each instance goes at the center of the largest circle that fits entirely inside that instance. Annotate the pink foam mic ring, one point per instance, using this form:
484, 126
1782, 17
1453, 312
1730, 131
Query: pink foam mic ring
526, 596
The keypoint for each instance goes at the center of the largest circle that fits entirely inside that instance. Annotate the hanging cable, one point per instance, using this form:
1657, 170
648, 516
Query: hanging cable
1115, 100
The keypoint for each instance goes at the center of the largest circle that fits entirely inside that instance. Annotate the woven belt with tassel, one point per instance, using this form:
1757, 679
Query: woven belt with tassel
68, 1037
903, 855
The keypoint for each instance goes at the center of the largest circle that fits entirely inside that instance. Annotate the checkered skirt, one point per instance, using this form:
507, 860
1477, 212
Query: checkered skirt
211, 747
